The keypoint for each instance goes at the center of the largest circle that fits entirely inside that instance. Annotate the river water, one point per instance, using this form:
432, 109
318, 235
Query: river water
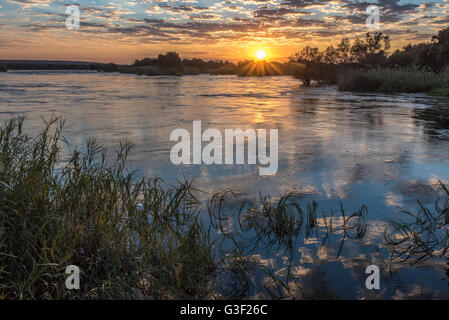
384, 151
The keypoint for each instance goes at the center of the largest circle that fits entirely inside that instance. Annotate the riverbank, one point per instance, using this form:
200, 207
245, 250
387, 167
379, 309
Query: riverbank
185, 71
248, 68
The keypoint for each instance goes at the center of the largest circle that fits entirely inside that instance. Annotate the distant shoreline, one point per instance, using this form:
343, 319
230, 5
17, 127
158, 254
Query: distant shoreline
383, 80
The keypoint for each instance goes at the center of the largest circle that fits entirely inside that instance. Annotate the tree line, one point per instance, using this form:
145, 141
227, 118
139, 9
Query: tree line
370, 53
171, 63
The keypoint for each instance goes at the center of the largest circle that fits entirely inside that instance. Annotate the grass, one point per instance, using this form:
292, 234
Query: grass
397, 80
421, 235
130, 237
136, 238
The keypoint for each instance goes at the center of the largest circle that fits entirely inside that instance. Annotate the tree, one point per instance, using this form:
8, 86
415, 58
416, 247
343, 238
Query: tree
442, 48
330, 55
145, 62
433, 56
169, 61
344, 51
308, 54
311, 64
372, 51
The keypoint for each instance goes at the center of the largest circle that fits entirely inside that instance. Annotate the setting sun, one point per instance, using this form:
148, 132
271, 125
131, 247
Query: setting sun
260, 55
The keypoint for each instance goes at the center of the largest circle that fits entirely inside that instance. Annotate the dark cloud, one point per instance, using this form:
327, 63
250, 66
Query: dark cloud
38, 26
154, 20
385, 6
390, 11
181, 8
204, 17
444, 20
268, 13
360, 19
304, 3
311, 23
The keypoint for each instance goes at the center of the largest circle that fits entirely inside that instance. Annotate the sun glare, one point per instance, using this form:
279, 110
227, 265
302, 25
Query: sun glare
260, 55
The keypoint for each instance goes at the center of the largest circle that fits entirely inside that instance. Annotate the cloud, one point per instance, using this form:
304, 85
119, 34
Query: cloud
232, 22
30, 3
269, 13
305, 3
181, 8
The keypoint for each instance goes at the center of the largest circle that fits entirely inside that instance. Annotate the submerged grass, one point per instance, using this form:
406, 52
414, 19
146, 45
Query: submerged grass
421, 235
281, 223
395, 80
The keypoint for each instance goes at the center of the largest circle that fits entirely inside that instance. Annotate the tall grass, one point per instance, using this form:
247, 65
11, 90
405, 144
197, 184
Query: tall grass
395, 80
130, 237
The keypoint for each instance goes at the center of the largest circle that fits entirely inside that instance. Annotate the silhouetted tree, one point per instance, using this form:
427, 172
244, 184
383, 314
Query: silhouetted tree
145, 62
344, 51
170, 61
433, 56
372, 51
312, 64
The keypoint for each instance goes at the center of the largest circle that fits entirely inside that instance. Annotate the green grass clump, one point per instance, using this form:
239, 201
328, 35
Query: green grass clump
130, 237
394, 80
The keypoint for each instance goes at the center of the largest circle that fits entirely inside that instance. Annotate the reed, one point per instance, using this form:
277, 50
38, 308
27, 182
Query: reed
395, 80
130, 237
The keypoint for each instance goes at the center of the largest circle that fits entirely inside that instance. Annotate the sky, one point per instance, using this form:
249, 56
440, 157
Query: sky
122, 31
